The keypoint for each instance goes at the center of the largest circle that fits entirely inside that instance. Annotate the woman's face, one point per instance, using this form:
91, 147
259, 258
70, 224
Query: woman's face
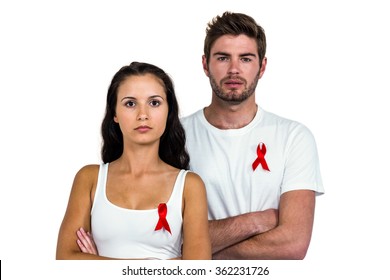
141, 109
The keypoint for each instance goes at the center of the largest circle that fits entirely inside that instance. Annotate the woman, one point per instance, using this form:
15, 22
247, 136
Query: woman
141, 202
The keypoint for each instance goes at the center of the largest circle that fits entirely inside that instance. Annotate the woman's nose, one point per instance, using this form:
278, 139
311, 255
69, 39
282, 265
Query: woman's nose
142, 115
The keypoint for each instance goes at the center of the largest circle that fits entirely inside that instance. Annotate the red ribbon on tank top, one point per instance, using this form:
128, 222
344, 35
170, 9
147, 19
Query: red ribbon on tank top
162, 221
261, 151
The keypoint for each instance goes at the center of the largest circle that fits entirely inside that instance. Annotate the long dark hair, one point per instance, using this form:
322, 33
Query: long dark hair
172, 143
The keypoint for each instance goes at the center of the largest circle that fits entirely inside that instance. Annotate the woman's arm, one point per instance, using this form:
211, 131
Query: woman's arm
87, 245
196, 239
77, 215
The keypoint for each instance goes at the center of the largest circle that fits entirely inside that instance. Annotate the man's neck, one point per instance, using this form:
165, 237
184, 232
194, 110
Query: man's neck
230, 116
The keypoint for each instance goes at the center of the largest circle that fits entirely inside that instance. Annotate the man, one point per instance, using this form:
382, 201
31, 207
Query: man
261, 171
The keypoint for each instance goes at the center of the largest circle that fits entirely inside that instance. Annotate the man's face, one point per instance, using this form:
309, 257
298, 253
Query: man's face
234, 68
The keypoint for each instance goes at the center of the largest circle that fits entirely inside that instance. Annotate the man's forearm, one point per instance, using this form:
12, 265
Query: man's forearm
275, 244
227, 232
261, 246
289, 240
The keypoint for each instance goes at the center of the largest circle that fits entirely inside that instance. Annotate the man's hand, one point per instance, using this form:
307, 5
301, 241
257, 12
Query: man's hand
268, 220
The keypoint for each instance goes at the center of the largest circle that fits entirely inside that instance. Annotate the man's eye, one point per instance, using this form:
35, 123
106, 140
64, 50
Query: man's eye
246, 59
222, 58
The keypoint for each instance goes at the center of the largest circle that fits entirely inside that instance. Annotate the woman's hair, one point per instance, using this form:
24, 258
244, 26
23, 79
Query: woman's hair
172, 143
234, 24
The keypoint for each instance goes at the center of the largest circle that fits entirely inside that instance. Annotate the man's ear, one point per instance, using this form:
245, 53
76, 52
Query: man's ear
263, 66
205, 66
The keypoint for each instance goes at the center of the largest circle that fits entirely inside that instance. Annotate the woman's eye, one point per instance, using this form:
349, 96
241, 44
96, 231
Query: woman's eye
130, 104
155, 103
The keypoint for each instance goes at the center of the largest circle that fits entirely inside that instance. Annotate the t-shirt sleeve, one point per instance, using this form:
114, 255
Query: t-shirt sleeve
302, 169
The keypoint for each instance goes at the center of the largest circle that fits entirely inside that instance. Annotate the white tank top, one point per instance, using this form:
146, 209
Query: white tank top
125, 233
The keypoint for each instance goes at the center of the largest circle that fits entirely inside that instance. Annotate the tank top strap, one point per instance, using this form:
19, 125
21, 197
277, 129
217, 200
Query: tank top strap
101, 184
178, 189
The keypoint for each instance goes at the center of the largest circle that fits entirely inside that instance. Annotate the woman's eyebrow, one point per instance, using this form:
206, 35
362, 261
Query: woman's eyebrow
150, 97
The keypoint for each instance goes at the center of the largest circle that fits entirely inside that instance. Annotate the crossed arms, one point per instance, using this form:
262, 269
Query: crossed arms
270, 234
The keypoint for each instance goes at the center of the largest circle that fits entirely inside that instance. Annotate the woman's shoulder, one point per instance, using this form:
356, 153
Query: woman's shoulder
89, 169
194, 182
193, 177
88, 173
194, 194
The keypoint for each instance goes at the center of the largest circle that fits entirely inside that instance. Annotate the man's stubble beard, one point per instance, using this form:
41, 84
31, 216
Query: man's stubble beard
233, 96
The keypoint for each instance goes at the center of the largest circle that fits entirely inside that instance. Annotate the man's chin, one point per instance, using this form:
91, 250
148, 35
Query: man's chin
233, 98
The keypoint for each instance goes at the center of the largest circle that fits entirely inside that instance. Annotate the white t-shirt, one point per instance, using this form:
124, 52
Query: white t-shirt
125, 233
225, 160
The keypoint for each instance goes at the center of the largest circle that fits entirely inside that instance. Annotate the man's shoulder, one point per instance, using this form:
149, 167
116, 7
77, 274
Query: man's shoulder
191, 117
273, 118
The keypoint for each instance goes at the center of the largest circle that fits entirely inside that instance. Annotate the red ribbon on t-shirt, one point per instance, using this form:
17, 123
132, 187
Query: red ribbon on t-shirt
162, 221
261, 151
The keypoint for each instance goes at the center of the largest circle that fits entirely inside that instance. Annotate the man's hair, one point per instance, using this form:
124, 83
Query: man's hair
234, 24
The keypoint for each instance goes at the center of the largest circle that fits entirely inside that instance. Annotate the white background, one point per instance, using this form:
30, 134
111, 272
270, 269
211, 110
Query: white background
328, 67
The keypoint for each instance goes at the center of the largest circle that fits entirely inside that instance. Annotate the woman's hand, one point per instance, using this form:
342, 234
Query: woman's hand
86, 243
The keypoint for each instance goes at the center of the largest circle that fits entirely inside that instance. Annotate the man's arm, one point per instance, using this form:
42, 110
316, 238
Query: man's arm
227, 232
289, 240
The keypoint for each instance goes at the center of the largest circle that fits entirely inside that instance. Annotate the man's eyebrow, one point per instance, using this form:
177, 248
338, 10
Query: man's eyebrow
221, 53
227, 54
248, 54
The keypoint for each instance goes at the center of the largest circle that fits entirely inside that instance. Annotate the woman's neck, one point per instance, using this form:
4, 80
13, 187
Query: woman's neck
140, 160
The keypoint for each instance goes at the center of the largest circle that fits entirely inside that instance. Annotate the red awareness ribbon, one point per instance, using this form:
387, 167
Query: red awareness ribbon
162, 221
261, 151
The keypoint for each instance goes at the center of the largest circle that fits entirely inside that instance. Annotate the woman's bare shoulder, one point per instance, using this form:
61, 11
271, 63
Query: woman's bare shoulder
192, 176
88, 173
194, 182
89, 168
